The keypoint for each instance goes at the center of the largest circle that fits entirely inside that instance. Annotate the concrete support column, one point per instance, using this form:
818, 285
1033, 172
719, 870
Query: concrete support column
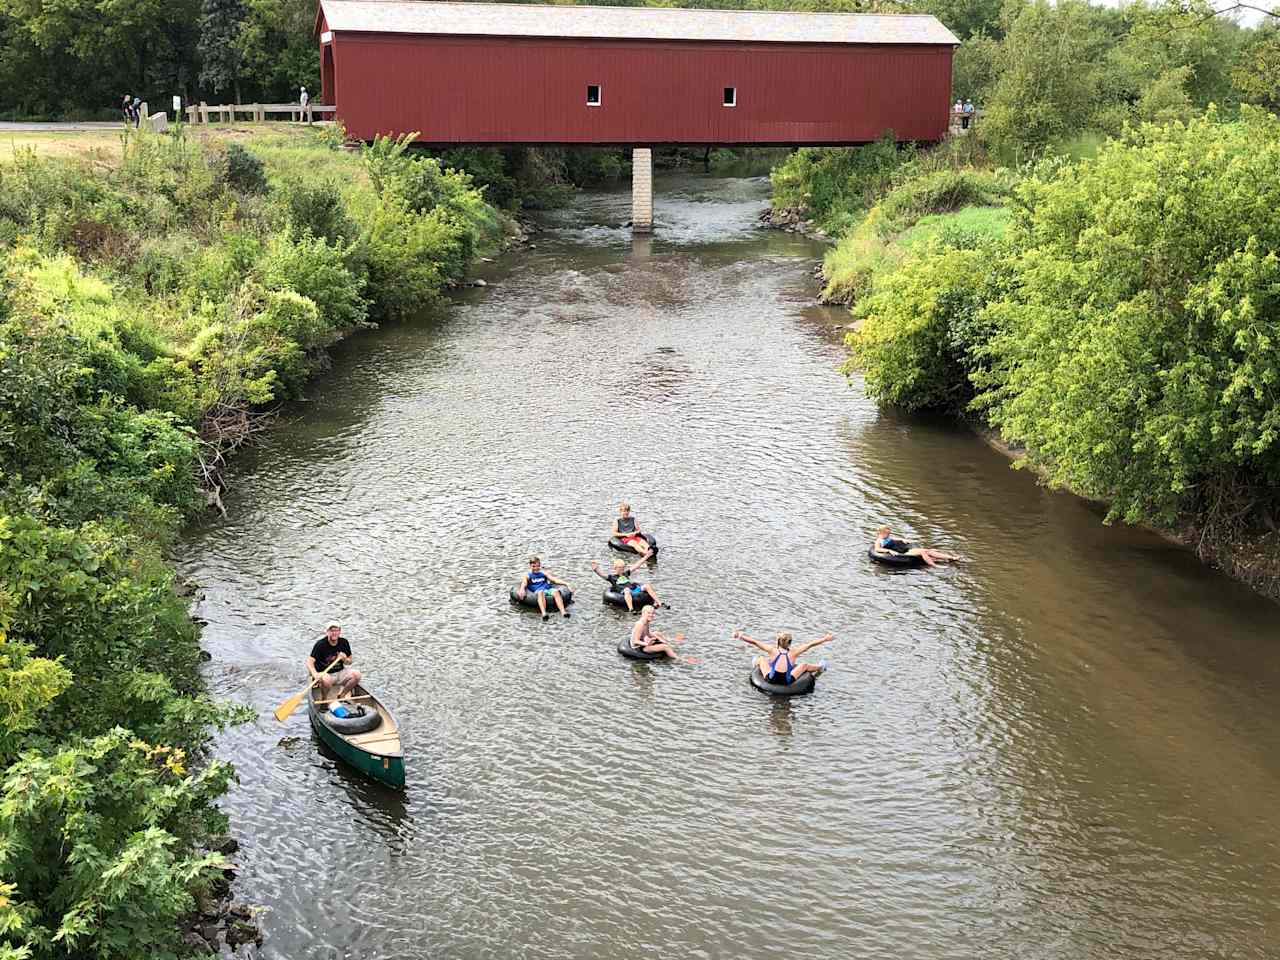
642, 190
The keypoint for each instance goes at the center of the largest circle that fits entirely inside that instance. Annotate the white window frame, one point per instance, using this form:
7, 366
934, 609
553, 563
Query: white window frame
734, 101
599, 94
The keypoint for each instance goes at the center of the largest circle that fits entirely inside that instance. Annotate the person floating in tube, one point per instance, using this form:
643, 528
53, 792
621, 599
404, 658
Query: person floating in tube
886, 545
540, 583
643, 637
780, 663
632, 591
627, 530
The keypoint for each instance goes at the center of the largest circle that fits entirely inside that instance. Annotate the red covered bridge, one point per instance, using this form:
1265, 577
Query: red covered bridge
479, 73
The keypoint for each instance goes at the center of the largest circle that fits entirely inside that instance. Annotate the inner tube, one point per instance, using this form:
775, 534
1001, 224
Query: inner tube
531, 601
797, 688
617, 544
634, 653
615, 599
360, 719
901, 560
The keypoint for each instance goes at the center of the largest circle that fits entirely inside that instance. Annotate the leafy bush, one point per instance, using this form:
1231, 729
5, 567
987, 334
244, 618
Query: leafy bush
1135, 355
488, 169
403, 253
264, 347
98, 599
835, 184
317, 209
919, 335
318, 271
66, 426
161, 264
100, 848
220, 268
244, 171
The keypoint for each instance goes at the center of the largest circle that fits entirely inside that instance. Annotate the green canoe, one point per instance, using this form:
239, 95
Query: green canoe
376, 753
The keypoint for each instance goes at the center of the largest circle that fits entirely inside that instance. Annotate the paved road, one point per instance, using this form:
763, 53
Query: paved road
70, 127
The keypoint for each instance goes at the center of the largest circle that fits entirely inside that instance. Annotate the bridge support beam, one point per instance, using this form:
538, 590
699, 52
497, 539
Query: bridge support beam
642, 190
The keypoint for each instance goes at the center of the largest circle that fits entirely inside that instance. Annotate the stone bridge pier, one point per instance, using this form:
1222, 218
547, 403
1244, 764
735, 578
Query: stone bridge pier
642, 190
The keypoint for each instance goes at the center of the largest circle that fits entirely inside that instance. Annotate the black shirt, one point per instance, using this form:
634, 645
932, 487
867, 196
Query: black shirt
626, 525
324, 651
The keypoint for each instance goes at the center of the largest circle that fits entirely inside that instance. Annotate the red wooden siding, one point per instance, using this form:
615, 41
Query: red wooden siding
525, 90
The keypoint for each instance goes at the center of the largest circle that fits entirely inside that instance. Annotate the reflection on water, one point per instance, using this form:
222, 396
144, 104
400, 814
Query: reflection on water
1061, 749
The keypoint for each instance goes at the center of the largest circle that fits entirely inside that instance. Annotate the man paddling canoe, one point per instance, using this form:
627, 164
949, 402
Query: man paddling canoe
330, 647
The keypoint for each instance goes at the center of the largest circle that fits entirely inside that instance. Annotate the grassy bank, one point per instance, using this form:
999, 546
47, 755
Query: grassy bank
1112, 317
157, 295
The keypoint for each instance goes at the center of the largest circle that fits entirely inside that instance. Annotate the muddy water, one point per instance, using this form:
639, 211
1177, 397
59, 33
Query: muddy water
1064, 748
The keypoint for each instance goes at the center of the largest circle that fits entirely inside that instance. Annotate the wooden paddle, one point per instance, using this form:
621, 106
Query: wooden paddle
291, 704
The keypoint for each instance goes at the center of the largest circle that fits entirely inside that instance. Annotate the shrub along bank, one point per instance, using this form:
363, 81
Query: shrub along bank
149, 308
1118, 324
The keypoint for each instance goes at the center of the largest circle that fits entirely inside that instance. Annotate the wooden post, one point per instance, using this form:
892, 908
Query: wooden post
642, 190
204, 112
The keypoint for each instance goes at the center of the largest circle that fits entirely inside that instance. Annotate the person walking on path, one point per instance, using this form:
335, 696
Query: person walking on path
968, 114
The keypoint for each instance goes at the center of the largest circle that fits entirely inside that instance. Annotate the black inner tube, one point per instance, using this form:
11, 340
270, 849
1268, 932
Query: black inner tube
362, 719
531, 599
615, 599
895, 559
797, 688
635, 653
617, 544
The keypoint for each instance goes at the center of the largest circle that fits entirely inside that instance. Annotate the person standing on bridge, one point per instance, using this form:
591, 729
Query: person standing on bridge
304, 99
968, 114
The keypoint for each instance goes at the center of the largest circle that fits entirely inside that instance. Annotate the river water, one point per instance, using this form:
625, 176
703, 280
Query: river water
1063, 748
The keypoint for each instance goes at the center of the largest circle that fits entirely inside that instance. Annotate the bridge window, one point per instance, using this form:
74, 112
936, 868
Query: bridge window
730, 96
593, 94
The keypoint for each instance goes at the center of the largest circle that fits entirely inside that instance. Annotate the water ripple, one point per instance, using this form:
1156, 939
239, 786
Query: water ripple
1062, 749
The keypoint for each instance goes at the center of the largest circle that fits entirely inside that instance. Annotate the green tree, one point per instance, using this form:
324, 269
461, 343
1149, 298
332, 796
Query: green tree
975, 68
1049, 76
277, 50
220, 24
1256, 74
104, 48
964, 18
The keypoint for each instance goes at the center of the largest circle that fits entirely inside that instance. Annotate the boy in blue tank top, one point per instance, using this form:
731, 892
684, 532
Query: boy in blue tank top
540, 583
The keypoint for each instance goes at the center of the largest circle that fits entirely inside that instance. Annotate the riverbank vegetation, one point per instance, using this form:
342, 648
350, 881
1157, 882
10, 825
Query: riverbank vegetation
152, 306
1110, 315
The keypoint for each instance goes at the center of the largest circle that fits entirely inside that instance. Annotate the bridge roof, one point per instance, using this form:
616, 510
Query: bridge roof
433, 17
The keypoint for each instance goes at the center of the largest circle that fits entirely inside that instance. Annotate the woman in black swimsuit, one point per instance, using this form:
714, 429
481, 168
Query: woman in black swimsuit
886, 544
780, 663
